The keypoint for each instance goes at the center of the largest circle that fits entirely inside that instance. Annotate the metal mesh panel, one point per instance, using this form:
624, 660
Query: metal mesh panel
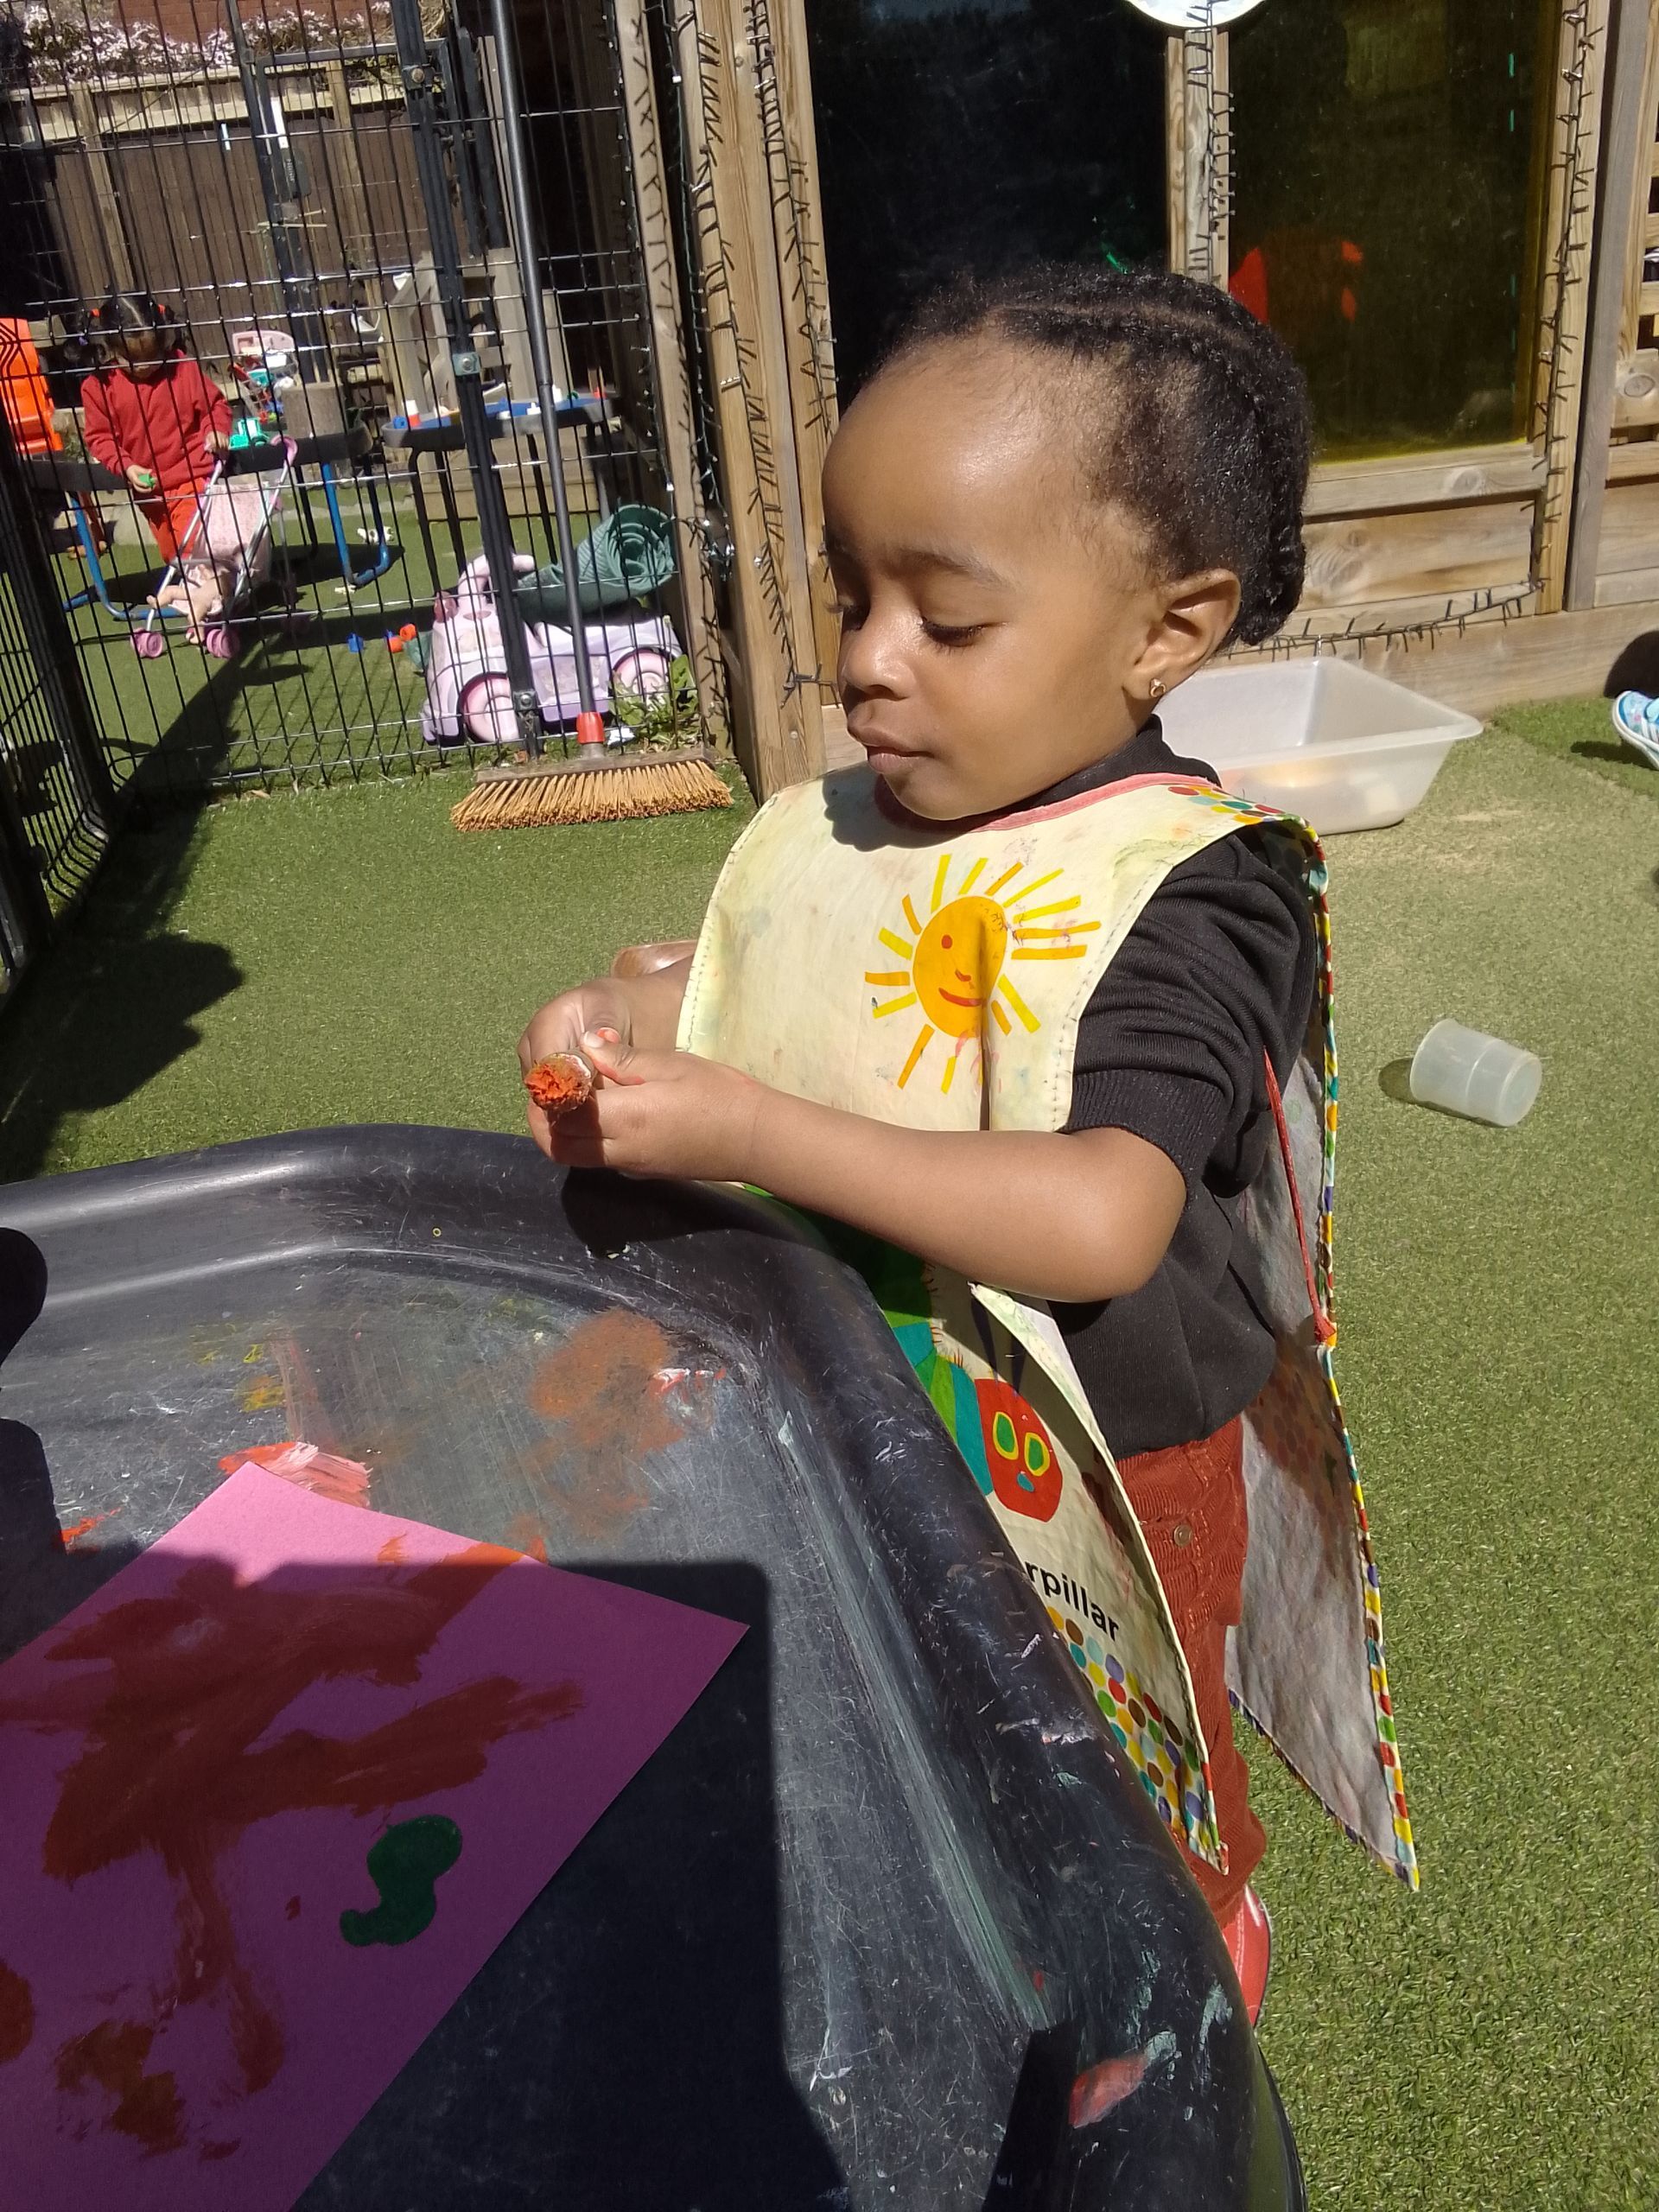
252, 169
54, 790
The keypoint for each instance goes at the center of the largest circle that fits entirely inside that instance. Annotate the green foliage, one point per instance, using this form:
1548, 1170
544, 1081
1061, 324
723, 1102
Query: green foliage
665, 718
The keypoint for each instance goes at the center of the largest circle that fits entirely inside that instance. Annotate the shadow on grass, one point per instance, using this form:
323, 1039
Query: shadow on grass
106, 1011
114, 1000
1395, 1082
1589, 748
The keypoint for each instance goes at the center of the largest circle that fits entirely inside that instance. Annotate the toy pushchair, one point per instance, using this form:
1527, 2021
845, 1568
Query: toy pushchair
232, 530
468, 698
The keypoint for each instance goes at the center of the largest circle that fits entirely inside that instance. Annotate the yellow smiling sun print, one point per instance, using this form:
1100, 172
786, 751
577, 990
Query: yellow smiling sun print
954, 961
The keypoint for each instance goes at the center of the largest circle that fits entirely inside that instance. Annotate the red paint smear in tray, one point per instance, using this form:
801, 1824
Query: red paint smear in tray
218, 1736
69, 1538
309, 1468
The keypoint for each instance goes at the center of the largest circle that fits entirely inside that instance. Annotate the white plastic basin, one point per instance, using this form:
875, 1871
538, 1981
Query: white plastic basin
1324, 739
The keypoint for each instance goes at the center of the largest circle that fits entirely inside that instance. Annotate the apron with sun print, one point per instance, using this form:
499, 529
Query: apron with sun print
854, 955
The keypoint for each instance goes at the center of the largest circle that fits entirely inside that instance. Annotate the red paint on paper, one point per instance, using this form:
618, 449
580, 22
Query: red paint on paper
199, 1746
110, 2057
16, 2014
192, 1684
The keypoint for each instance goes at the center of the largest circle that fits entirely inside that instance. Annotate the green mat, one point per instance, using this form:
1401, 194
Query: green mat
1489, 2046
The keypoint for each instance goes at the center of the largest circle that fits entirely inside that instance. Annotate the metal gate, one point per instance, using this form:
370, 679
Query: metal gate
56, 798
260, 182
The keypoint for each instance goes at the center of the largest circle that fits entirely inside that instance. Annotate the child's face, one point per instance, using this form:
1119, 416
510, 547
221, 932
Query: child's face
1000, 629
142, 353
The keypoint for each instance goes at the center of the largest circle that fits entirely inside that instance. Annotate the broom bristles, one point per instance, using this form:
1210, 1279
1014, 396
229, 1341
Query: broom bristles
630, 792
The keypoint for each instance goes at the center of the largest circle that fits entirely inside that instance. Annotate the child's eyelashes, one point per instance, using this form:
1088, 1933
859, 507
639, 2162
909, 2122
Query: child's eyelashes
852, 616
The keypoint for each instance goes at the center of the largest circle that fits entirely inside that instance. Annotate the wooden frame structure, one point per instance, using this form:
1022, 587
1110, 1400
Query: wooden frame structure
1483, 573
739, 75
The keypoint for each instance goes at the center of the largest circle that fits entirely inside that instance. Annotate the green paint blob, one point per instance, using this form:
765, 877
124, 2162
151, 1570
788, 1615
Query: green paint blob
404, 1865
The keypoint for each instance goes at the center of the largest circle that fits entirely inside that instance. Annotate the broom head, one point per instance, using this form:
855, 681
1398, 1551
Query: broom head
592, 787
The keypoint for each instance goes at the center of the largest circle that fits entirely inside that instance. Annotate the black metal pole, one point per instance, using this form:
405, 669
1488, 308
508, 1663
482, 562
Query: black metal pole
589, 727
282, 208
479, 139
420, 96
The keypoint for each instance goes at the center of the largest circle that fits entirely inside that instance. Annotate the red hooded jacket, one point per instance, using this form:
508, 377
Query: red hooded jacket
159, 425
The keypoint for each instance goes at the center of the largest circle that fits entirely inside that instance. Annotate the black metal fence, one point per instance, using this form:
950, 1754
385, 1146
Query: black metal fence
254, 174
56, 799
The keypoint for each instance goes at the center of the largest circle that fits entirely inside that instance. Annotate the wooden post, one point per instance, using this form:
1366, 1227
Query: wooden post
1625, 176
1567, 297
1197, 139
119, 260
670, 343
774, 384
344, 168
1175, 152
770, 580
790, 134
1645, 231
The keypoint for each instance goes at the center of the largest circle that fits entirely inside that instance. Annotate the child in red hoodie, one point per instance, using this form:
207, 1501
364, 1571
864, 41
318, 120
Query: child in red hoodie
153, 416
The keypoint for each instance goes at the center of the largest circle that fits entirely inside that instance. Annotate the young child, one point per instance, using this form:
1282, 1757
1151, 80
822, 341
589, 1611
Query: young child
153, 416
1019, 1000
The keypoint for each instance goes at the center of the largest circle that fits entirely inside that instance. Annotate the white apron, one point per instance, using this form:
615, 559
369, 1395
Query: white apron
936, 978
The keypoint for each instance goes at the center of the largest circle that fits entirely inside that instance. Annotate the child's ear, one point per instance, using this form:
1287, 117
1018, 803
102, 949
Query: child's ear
1198, 613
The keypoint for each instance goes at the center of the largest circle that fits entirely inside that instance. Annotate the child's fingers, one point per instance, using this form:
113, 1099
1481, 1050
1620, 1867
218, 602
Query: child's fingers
610, 1058
571, 1150
540, 1128
624, 1065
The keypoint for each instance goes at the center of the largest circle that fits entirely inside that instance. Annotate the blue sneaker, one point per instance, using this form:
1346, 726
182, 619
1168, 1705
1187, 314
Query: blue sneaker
1635, 717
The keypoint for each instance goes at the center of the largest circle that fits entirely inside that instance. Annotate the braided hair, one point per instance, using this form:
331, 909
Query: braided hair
1195, 415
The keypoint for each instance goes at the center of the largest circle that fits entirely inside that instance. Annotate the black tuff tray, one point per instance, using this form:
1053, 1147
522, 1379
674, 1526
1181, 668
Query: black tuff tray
851, 1936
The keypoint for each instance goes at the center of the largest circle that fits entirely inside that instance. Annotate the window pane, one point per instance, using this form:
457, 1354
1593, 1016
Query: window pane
1388, 158
957, 137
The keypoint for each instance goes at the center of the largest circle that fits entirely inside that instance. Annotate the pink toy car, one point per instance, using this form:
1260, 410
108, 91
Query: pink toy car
469, 700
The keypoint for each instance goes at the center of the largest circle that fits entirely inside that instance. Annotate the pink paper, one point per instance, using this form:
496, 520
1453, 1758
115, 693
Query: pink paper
193, 1767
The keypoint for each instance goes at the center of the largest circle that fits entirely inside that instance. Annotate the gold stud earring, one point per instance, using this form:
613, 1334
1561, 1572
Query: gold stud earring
1157, 688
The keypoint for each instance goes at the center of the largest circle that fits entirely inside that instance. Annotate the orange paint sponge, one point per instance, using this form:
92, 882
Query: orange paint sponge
560, 1081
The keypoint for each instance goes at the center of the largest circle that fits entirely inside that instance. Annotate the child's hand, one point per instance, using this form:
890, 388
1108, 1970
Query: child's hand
576, 1022
142, 480
217, 442
637, 1010
663, 1113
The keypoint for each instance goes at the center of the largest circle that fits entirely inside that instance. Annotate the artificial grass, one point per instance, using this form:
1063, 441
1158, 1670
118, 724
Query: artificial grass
343, 956
1490, 2043
1581, 730
347, 957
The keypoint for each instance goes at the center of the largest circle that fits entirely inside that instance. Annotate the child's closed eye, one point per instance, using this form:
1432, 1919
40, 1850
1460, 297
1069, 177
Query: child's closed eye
953, 634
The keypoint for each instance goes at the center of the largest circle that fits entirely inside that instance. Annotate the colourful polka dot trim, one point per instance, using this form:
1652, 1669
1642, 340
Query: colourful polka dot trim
1149, 1740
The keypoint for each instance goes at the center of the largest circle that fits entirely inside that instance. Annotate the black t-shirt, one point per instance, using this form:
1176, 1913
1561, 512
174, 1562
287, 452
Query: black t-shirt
1220, 966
